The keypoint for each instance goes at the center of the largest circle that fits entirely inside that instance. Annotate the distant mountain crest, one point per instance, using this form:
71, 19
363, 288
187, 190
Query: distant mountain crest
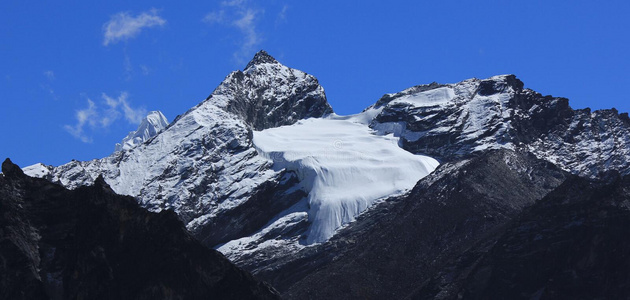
150, 126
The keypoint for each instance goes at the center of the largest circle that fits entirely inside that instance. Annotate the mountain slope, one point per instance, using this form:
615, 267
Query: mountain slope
398, 244
93, 244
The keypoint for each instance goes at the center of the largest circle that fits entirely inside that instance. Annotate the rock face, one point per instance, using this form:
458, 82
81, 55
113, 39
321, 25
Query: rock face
572, 244
452, 121
93, 244
267, 94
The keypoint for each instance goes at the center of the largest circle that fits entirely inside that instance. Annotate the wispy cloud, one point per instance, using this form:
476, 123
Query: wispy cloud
128, 67
243, 16
282, 15
246, 24
233, 2
83, 116
145, 70
50, 75
215, 17
123, 26
93, 117
132, 115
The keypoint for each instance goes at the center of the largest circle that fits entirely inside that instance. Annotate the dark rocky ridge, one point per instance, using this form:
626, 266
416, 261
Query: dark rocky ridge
573, 244
93, 244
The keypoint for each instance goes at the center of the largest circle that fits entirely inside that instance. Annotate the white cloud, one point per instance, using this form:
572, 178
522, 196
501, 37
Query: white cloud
95, 118
132, 115
83, 116
123, 26
242, 16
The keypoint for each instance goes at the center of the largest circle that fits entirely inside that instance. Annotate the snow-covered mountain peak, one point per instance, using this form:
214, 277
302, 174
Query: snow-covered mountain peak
261, 57
150, 126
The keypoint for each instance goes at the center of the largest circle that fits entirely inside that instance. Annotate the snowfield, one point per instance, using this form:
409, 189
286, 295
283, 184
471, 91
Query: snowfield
343, 165
438, 96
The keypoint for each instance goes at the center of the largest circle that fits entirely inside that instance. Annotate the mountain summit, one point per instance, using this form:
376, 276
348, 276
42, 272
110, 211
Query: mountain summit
261, 57
267, 94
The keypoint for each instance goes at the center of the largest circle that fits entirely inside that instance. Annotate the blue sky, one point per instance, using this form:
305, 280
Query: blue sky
76, 77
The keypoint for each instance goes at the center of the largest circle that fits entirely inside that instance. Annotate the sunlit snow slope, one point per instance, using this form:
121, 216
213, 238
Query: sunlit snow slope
343, 165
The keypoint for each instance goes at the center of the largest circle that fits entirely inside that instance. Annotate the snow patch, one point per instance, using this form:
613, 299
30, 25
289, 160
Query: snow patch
434, 97
38, 170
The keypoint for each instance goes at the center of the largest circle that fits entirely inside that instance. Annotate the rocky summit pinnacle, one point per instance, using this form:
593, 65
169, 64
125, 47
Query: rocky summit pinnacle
268, 94
261, 57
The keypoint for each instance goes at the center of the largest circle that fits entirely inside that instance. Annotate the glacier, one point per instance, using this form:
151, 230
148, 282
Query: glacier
343, 165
